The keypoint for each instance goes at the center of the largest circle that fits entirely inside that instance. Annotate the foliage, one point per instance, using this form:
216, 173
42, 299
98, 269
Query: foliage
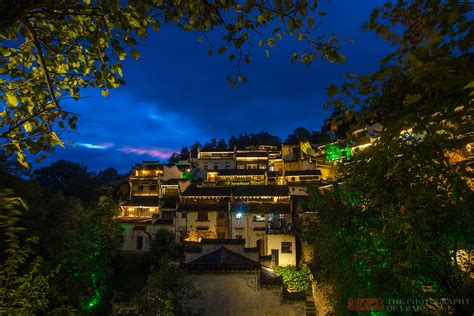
302, 134
85, 238
296, 280
52, 50
23, 287
242, 141
164, 246
88, 253
332, 152
395, 226
167, 291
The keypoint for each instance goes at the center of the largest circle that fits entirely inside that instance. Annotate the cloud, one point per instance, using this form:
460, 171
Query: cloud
156, 152
100, 146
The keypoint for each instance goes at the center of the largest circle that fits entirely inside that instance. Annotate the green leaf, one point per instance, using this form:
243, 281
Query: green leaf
156, 26
135, 54
56, 139
470, 85
267, 53
271, 41
221, 50
104, 93
12, 100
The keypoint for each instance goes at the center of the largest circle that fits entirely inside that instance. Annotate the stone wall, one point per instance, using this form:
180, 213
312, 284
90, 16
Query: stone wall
230, 294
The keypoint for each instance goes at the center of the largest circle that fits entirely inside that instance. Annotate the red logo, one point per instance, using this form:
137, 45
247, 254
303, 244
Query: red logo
365, 304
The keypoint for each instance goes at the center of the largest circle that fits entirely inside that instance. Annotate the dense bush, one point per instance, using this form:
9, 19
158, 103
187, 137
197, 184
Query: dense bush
294, 279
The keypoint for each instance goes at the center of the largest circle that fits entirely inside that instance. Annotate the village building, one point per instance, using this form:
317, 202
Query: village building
228, 273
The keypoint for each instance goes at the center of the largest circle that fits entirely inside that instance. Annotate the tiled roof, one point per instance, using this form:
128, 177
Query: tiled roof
303, 173
260, 190
142, 201
242, 172
194, 190
238, 190
222, 259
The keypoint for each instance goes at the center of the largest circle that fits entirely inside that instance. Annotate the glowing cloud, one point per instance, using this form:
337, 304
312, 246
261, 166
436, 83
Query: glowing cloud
100, 146
163, 153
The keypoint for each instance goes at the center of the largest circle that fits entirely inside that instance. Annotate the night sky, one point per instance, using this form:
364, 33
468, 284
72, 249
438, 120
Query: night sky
176, 94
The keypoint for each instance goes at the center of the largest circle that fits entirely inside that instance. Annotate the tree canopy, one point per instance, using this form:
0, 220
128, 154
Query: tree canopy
397, 225
50, 51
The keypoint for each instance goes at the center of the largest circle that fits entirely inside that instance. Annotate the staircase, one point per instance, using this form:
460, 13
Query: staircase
310, 307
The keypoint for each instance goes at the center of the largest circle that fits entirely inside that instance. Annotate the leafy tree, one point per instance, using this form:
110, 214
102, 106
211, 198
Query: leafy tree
23, 287
243, 141
212, 144
396, 226
164, 246
221, 144
300, 134
184, 154
51, 50
296, 280
88, 254
174, 158
167, 291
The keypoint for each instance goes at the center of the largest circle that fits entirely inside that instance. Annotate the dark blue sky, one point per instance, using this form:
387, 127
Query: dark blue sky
176, 94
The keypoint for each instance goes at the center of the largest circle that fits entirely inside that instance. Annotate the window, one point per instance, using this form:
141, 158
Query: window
139, 242
286, 247
140, 188
259, 218
206, 166
238, 236
220, 235
238, 215
183, 215
221, 215
293, 178
282, 216
216, 166
202, 217
153, 187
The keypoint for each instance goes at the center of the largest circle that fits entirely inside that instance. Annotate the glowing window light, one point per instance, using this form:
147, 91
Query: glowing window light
238, 215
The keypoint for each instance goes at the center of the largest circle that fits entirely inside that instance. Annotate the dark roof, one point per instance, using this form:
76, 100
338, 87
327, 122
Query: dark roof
222, 259
242, 172
260, 190
257, 208
170, 182
202, 207
303, 173
194, 190
142, 201
238, 190
252, 154
208, 241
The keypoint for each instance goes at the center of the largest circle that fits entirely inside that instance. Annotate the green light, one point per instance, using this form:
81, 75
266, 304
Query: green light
94, 301
332, 152
186, 175
347, 151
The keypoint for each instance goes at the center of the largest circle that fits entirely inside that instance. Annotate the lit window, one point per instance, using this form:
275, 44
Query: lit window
238, 215
286, 247
259, 218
